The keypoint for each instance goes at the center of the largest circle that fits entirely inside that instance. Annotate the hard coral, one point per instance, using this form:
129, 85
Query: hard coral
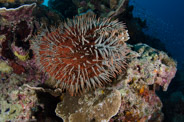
98, 106
15, 15
17, 3
147, 69
83, 53
16, 26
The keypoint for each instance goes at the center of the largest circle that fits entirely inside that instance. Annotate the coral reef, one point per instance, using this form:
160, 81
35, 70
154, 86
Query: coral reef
16, 100
98, 106
148, 70
126, 93
137, 87
82, 53
156, 67
17, 3
103, 8
47, 20
18, 69
19, 107
16, 27
14, 16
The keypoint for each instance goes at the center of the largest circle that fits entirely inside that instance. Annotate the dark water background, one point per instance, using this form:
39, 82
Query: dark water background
165, 20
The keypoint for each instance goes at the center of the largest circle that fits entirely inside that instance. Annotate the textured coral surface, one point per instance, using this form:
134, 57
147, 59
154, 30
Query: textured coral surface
99, 105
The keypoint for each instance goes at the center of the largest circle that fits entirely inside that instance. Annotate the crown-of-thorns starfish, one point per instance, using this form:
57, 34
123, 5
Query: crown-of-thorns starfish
83, 53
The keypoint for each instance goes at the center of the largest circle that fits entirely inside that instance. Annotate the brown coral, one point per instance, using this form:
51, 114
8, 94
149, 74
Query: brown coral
98, 106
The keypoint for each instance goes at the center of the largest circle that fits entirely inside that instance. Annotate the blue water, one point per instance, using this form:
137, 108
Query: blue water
45, 2
165, 21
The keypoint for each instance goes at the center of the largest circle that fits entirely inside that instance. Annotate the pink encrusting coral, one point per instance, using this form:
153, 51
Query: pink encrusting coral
83, 53
16, 15
16, 27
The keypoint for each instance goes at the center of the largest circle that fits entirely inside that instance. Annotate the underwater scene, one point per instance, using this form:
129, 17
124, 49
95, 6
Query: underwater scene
91, 61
